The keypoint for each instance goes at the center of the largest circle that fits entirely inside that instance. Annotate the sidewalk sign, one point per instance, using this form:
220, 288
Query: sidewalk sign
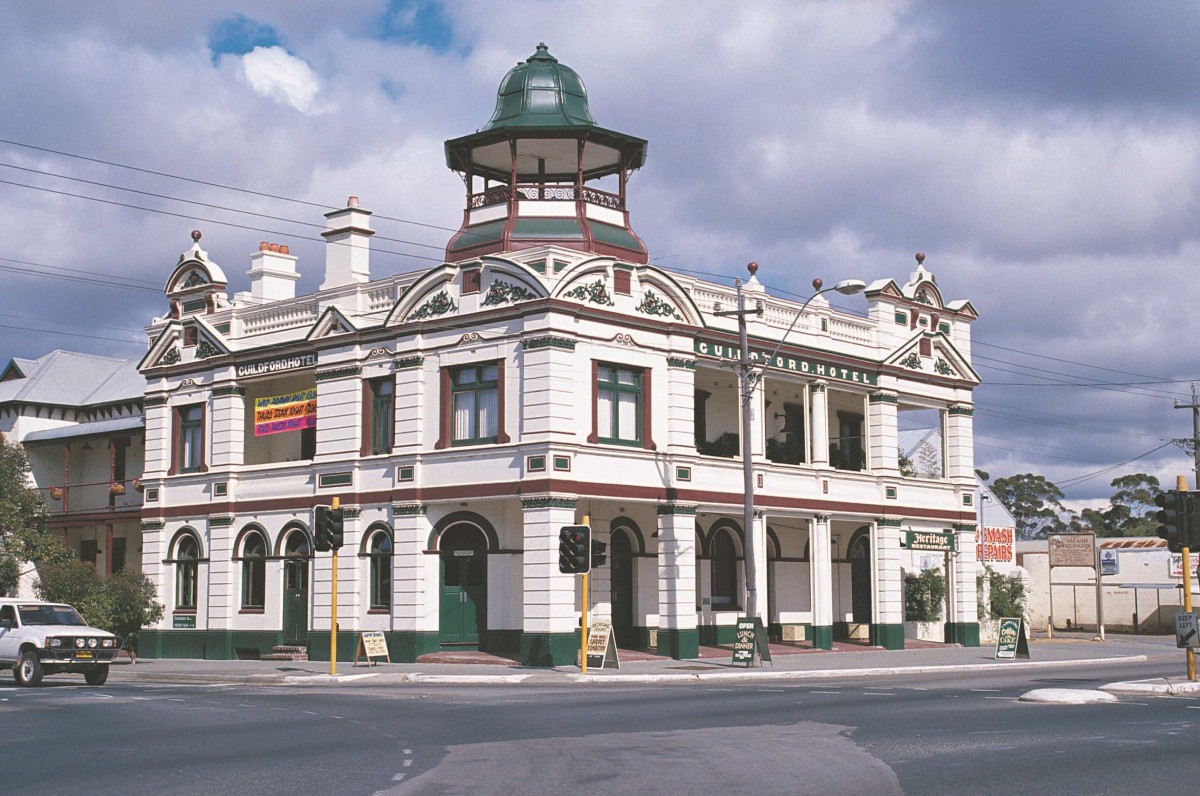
372, 644
750, 638
602, 647
1011, 642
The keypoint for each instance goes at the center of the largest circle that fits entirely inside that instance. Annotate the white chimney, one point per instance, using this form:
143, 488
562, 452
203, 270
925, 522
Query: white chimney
272, 273
347, 245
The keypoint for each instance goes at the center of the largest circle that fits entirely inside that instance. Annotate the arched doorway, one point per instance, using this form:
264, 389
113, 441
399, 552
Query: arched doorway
463, 604
621, 588
860, 578
296, 556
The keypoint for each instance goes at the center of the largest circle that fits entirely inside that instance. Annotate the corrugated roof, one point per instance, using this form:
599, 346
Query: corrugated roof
78, 430
69, 378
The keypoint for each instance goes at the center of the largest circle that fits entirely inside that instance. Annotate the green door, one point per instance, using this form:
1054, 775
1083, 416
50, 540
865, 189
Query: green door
295, 589
463, 604
860, 580
621, 562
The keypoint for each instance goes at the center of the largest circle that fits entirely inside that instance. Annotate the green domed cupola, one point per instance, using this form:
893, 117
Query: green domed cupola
528, 170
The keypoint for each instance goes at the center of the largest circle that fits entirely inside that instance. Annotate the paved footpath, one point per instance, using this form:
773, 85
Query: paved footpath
1065, 650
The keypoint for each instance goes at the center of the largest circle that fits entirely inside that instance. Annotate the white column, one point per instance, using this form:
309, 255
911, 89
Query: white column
964, 567
889, 596
228, 426
548, 611
884, 457
678, 636
415, 575
960, 444
820, 424
821, 575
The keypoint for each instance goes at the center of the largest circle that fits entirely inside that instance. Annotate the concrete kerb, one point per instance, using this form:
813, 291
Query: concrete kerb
558, 676
1156, 686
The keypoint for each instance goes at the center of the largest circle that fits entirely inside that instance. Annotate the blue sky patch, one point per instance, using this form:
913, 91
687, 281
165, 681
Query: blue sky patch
417, 22
239, 35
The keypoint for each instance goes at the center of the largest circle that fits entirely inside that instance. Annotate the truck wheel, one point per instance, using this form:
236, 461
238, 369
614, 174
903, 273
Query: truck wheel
97, 675
28, 670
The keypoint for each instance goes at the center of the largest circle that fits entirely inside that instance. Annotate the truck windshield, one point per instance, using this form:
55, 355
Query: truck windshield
50, 615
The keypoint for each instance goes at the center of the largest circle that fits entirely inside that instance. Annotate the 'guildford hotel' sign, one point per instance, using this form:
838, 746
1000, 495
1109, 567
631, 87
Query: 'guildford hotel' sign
809, 367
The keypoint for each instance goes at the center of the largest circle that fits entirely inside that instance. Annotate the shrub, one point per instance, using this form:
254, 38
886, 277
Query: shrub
1005, 596
924, 596
122, 604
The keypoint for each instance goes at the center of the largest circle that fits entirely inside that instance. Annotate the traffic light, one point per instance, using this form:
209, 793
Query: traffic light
598, 554
574, 549
321, 530
337, 521
1173, 516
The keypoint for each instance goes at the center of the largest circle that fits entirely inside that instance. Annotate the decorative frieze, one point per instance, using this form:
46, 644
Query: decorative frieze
883, 398
548, 341
888, 522
680, 509
338, 373
548, 502
959, 409
680, 362
406, 363
595, 293
913, 361
504, 293
228, 389
206, 350
438, 305
943, 367
408, 510
170, 358
220, 520
153, 525
151, 401
351, 512
653, 305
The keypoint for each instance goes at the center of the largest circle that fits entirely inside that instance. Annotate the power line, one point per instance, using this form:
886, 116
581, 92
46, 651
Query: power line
73, 334
1056, 359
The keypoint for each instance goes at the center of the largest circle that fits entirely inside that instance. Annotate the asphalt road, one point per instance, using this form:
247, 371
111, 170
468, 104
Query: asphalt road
927, 734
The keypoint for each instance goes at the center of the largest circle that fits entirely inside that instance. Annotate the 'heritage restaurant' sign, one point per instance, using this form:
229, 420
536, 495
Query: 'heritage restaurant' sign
809, 367
930, 540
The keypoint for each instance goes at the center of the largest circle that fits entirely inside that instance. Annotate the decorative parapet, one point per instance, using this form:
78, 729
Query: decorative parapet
220, 520
595, 293
548, 502
680, 509
549, 341
680, 362
338, 373
505, 293
438, 305
653, 305
408, 510
405, 363
228, 389
883, 398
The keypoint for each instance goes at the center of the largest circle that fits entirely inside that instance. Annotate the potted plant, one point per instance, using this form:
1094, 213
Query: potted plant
138, 485
56, 492
116, 488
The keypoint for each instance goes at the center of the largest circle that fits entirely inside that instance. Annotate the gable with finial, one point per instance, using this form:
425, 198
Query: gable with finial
931, 354
195, 282
638, 289
332, 322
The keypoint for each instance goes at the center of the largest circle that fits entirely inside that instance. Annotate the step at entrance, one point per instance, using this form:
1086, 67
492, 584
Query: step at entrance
286, 652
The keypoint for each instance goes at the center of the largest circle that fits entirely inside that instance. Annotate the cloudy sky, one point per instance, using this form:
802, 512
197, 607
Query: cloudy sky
1045, 157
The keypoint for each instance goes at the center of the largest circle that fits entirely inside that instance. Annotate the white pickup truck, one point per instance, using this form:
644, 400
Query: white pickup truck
39, 638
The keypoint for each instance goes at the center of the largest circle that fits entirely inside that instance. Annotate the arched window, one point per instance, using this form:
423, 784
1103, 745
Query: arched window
254, 571
379, 550
724, 571
187, 557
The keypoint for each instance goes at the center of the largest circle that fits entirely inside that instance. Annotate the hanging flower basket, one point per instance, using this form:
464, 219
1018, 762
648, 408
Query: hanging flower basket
138, 485
56, 492
116, 488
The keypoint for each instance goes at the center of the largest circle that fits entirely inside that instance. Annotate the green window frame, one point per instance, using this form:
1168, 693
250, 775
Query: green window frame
187, 565
619, 401
475, 404
254, 572
380, 553
383, 415
191, 439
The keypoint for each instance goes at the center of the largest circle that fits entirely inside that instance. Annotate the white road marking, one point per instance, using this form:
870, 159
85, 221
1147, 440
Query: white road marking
985, 690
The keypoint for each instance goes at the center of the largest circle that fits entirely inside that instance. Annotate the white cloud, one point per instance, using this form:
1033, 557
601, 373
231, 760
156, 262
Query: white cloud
274, 72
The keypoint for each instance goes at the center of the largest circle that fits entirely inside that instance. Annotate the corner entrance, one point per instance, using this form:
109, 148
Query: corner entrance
463, 603
860, 579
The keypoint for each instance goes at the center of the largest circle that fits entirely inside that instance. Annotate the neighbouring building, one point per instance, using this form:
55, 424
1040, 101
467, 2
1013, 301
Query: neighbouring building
545, 374
79, 418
